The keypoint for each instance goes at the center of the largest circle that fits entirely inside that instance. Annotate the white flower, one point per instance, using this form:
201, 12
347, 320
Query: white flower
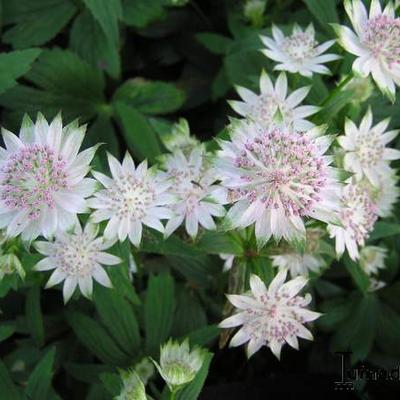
375, 42
133, 388
372, 258
272, 102
357, 218
299, 52
275, 178
228, 261
271, 317
131, 198
77, 259
297, 263
42, 180
387, 194
362, 89
199, 199
10, 263
178, 365
375, 285
366, 154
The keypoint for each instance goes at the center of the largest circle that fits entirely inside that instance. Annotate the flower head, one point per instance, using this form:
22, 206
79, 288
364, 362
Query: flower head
133, 197
387, 194
357, 217
132, 387
275, 178
42, 180
272, 103
76, 258
199, 198
178, 365
375, 42
10, 263
299, 52
270, 317
366, 154
372, 259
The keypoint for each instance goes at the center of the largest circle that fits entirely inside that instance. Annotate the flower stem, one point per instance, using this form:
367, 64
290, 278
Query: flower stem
337, 90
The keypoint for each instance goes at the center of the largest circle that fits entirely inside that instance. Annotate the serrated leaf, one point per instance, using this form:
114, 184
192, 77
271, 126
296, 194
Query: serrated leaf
14, 65
89, 41
159, 308
34, 316
150, 97
96, 339
139, 135
359, 276
38, 21
107, 13
118, 317
39, 382
217, 44
212, 242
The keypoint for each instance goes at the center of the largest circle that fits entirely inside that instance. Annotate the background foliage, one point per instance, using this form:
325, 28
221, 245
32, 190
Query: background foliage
130, 69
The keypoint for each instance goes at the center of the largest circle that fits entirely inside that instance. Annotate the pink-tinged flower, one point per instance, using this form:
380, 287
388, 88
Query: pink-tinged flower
273, 104
271, 317
198, 198
357, 217
77, 259
372, 259
375, 42
276, 177
366, 151
299, 52
42, 179
387, 194
131, 198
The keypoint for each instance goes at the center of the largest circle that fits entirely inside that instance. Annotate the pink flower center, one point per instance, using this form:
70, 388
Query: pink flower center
300, 46
30, 177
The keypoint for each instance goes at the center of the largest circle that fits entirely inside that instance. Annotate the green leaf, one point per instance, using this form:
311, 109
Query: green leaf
107, 13
112, 382
360, 278
15, 64
203, 336
388, 332
38, 21
217, 44
34, 316
150, 97
39, 382
118, 317
88, 373
63, 82
8, 389
96, 339
89, 41
6, 331
140, 13
193, 389
383, 230
159, 308
139, 135
324, 11
213, 242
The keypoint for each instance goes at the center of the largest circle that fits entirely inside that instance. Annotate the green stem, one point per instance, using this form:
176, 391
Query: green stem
336, 90
173, 395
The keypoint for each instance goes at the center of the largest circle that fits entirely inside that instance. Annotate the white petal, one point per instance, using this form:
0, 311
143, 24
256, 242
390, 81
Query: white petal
101, 277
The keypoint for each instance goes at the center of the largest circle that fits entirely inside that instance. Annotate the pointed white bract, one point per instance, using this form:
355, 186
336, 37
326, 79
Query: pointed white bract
372, 259
271, 317
42, 181
375, 42
131, 198
198, 198
357, 217
277, 177
273, 103
387, 194
76, 259
365, 146
133, 388
298, 263
299, 52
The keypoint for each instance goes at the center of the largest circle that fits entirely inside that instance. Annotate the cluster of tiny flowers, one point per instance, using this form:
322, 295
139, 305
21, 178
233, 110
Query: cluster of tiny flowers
272, 104
299, 52
375, 42
271, 317
276, 177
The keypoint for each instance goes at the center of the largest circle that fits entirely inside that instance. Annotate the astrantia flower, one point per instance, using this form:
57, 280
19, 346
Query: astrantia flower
133, 388
272, 104
299, 52
372, 259
271, 317
387, 194
77, 259
178, 365
298, 263
42, 180
131, 198
193, 183
357, 217
275, 178
366, 154
375, 43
